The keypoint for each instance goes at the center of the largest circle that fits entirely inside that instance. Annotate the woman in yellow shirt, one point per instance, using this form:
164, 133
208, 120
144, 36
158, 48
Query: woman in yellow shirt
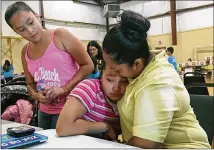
155, 111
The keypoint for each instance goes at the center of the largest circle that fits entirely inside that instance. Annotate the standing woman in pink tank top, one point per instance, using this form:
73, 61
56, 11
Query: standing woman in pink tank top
54, 62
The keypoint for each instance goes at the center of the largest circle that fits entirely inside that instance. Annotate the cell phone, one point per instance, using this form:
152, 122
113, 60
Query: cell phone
20, 131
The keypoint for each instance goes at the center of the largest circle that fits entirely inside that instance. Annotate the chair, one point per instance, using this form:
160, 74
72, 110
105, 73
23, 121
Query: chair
13, 91
212, 144
203, 109
17, 79
198, 69
202, 86
195, 79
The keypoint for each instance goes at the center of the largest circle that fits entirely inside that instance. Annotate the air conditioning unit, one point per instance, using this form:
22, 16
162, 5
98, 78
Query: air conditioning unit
111, 10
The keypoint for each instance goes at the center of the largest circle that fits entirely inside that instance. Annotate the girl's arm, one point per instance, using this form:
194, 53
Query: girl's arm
11, 65
31, 85
75, 48
70, 120
2, 71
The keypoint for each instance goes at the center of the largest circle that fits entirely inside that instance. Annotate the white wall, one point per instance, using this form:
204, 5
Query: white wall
71, 11
67, 11
185, 21
82, 33
137, 6
189, 4
77, 12
195, 19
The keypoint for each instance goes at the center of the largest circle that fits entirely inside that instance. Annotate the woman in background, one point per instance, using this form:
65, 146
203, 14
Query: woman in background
189, 62
95, 50
7, 71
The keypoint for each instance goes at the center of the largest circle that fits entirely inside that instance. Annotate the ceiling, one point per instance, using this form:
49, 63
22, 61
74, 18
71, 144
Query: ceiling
103, 2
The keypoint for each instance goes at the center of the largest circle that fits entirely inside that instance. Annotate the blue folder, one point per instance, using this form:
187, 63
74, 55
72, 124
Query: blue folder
8, 142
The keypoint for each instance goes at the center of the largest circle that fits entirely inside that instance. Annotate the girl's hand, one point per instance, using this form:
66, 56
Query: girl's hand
40, 96
53, 92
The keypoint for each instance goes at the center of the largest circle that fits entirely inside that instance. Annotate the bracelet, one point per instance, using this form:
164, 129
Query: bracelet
65, 90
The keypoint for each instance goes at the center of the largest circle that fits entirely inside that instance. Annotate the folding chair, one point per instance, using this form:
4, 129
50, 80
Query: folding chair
203, 109
195, 79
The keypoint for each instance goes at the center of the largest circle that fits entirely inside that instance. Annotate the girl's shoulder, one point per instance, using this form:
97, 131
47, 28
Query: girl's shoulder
93, 82
90, 86
61, 34
60, 31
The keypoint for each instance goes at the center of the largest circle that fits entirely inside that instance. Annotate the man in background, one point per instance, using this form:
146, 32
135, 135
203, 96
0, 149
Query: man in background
171, 58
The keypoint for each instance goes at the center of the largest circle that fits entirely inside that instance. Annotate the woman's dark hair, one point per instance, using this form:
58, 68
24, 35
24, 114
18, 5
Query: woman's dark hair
94, 60
99, 48
15, 7
102, 68
6, 66
127, 42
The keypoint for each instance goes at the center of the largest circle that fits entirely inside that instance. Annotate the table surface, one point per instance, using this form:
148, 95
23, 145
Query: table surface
5, 122
78, 141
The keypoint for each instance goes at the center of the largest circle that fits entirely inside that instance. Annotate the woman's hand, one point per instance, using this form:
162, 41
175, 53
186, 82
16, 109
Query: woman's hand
111, 134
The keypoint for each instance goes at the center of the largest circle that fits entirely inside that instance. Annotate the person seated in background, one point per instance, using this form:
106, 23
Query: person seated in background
171, 58
7, 70
180, 68
189, 62
95, 50
91, 107
208, 61
96, 72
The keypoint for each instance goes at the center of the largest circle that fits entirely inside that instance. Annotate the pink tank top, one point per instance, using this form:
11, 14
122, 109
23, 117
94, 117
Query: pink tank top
54, 68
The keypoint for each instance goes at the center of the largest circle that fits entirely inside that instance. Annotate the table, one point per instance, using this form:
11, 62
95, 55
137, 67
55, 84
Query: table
78, 141
7, 124
5, 121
